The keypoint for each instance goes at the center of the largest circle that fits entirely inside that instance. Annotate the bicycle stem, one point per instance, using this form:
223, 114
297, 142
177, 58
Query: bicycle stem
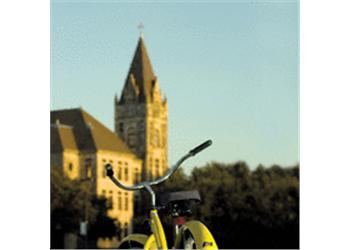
153, 195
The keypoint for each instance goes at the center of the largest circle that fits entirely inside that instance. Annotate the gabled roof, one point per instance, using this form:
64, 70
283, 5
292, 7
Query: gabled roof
141, 71
89, 133
62, 138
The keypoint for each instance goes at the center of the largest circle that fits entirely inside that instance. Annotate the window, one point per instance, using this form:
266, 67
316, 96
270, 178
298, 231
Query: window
103, 193
119, 200
136, 176
119, 170
126, 202
70, 167
126, 172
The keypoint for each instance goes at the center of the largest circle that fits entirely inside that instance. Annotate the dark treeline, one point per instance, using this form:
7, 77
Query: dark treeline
244, 208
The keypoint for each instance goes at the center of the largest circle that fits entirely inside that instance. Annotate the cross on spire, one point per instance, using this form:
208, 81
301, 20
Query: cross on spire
141, 27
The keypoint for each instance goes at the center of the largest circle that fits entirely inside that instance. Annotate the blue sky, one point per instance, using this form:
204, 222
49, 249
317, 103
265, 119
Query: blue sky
230, 71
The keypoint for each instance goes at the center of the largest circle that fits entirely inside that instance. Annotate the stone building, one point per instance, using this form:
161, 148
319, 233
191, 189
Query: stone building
138, 150
141, 115
81, 146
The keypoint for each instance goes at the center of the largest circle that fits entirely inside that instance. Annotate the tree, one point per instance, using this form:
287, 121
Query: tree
73, 202
243, 208
68, 202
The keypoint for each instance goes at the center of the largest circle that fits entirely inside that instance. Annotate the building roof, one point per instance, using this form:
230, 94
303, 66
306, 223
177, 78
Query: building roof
141, 71
86, 132
62, 138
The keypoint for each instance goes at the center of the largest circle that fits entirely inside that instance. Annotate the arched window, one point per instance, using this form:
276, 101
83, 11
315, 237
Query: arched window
119, 200
119, 170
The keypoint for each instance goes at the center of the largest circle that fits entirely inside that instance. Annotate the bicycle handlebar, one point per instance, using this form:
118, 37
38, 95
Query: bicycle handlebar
110, 174
147, 184
201, 147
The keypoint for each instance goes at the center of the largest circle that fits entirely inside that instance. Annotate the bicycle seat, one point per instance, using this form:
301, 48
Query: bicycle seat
179, 203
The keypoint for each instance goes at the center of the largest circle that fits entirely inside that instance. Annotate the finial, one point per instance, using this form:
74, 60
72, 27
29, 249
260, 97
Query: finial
141, 27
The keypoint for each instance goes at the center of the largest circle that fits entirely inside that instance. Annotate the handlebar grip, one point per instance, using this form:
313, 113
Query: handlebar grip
200, 147
109, 170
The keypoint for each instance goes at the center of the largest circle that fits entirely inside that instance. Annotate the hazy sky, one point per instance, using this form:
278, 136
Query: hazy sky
230, 71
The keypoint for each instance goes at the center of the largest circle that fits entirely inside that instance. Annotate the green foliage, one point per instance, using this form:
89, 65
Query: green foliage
73, 202
70, 201
244, 208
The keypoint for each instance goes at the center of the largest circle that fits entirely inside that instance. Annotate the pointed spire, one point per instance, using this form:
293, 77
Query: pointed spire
142, 71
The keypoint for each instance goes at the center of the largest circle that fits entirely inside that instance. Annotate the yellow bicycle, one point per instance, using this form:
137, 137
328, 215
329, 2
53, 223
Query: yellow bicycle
188, 235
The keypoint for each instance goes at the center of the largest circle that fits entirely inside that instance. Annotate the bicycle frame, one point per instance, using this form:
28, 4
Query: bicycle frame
157, 230
202, 236
157, 240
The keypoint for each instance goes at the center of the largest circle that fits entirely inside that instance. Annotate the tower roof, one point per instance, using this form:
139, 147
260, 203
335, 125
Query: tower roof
142, 71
